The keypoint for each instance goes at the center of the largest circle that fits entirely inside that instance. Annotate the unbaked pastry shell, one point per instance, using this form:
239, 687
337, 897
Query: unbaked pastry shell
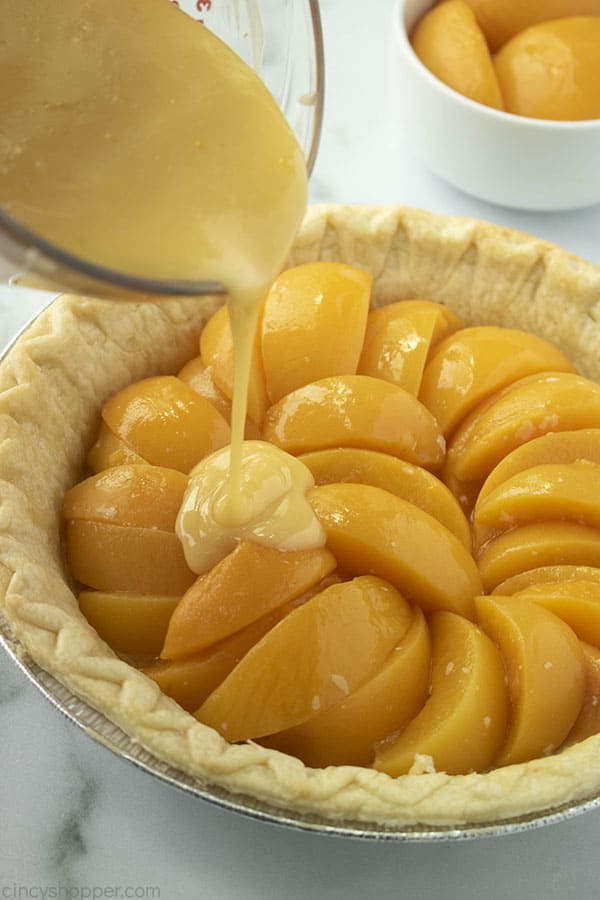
80, 351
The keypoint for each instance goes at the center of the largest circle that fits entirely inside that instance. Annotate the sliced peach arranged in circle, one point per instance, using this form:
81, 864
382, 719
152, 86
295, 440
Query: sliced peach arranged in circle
356, 411
547, 575
556, 492
588, 721
575, 602
371, 530
525, 410
463, 723
247, 584
132, 624
216, 350
399, 339
346, 734
200, 378
166, 422
546, 675
313, 324
142, 496
540, 544
191, 679
554, 447
312, 660
474, 363
450, 43
126, 558
121, 530
412, 483
109, 450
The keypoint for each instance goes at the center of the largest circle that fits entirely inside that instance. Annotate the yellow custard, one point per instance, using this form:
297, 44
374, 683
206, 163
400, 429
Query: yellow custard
134, 138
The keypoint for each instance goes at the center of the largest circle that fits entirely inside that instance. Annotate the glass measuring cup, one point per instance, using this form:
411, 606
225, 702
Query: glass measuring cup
282, 41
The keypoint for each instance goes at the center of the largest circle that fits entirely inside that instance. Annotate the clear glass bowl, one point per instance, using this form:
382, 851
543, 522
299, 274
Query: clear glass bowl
282, 41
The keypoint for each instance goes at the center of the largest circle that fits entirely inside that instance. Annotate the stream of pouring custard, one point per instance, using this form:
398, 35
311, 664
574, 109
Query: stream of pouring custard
134, 138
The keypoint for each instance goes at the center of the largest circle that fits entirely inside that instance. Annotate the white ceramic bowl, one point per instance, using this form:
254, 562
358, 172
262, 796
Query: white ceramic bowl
499, 157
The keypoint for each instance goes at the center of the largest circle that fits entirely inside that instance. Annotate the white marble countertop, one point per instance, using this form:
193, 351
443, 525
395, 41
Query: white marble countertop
78, 822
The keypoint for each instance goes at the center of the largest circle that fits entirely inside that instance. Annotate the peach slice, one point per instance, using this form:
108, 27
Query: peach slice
126, 558
525, 410
371, 530
554, 447
411, 483
575, 602
356, 411
166, 422
216, 350
474, 363
109, 450
399, 339
546, 675
540, 544
141, 496
132, 624
247, 584
551, 70
312, 660
546, 575
568, 492
306, 311
450, 43
347, 733
500, 20
588, 721
190, 680
463, 724
200, 378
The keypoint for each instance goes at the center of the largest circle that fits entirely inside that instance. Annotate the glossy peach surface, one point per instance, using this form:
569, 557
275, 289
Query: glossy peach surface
355, 411
463, 723
166, 422
552, 492
247, 584
142, 496
546, 675
305, 314
126, 558
191, 679
312, 660
132, 624
450, 43
382, 705
552, 70
200, 378
371, 530
547, 575
399, 339
474, 363
411, 483
109, 450
503, 19
540, 544
575, 602
216, 350
530, 407
554, 447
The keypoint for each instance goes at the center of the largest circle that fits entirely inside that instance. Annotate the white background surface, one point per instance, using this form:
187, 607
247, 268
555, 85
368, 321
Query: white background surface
76, 820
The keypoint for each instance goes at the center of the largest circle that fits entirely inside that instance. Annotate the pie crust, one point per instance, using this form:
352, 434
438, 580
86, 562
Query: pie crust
53, 383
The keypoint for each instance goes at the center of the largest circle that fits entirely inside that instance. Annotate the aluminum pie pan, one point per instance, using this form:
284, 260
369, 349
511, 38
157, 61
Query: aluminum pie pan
105, 732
